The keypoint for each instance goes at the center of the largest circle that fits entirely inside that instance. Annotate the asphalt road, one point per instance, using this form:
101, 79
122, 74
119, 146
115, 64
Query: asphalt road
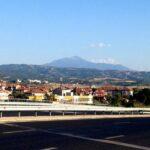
99, 134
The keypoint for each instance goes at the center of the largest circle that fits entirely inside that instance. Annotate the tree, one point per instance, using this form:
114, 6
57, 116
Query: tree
127, 101
115, 101
143, 96
18, 94
50, 97
109, 98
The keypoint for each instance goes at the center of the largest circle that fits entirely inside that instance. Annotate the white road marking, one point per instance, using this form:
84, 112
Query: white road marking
19, 131
117, 143
100, 140
114, 137
126, 145
19, 126
51, 148
11, 125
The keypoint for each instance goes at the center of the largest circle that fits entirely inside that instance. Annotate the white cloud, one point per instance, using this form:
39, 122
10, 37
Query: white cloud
105, 60
100, 45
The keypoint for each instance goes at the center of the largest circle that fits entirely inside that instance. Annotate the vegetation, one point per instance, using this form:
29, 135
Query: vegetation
19, 95
140, 98
143, 96
116, 100
50, 97
73, 75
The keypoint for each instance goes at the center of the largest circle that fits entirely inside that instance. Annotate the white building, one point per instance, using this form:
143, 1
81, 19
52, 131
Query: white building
68, 96
19, 81
35, 81
4, 95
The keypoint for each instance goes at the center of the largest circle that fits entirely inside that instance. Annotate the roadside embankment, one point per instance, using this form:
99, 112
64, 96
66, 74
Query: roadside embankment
69, 117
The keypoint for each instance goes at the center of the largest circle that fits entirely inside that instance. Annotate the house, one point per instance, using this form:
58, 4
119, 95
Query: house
36, 95
100, 93
83, 99
63, 94
113, 90
4, 94
35, 81
76, 96
99, 96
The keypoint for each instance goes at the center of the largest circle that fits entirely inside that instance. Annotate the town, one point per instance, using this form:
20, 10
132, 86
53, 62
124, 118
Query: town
43, 91
74, 75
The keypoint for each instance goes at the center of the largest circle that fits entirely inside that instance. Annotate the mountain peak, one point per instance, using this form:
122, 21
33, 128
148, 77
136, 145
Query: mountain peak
75, 57
78, 62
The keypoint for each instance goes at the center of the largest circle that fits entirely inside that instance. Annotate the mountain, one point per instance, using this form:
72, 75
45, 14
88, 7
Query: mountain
24, 72
77, 62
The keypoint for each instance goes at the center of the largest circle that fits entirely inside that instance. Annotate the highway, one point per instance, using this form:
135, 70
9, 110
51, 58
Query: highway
97, 134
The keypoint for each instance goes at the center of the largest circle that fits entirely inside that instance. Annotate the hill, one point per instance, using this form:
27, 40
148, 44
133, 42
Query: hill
73, 75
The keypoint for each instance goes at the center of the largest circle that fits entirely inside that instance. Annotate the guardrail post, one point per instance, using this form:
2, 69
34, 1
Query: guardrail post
50, 113
19, 114
119, 112
36, 114
95, 113
140, 112
75, 113
1, 114
63, 113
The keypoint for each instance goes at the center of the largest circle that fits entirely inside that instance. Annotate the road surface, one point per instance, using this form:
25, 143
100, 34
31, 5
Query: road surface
98, 134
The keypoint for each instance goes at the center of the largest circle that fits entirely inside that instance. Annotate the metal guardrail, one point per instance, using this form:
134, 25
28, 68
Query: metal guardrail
50, 107
25, 100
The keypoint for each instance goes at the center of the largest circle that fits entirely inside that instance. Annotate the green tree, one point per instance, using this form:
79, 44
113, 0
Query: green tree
50, 97
109, 98
143, 96
18, 94
116, 100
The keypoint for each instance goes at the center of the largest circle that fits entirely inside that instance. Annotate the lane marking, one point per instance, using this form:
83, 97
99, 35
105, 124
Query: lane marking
117, 143
19, 126
99, 140
11, 125
114, 137
127, 145
19, 131
51, 148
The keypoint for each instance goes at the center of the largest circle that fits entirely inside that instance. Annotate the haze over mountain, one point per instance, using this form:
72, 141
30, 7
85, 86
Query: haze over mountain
78, 62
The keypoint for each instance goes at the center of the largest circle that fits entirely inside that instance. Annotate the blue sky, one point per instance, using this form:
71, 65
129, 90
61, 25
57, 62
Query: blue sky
38, 31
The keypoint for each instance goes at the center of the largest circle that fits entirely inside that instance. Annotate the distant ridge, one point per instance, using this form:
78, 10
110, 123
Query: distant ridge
88, 76
78, 62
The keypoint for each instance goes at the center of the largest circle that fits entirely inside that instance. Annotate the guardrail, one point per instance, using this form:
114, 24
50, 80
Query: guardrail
25, 100
50, 107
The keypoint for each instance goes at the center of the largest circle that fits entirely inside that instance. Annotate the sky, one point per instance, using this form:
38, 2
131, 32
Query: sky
110, 31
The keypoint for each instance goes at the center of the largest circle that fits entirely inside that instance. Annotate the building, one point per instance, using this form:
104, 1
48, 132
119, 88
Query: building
4, 94
36, 95
72, 96
35, 81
